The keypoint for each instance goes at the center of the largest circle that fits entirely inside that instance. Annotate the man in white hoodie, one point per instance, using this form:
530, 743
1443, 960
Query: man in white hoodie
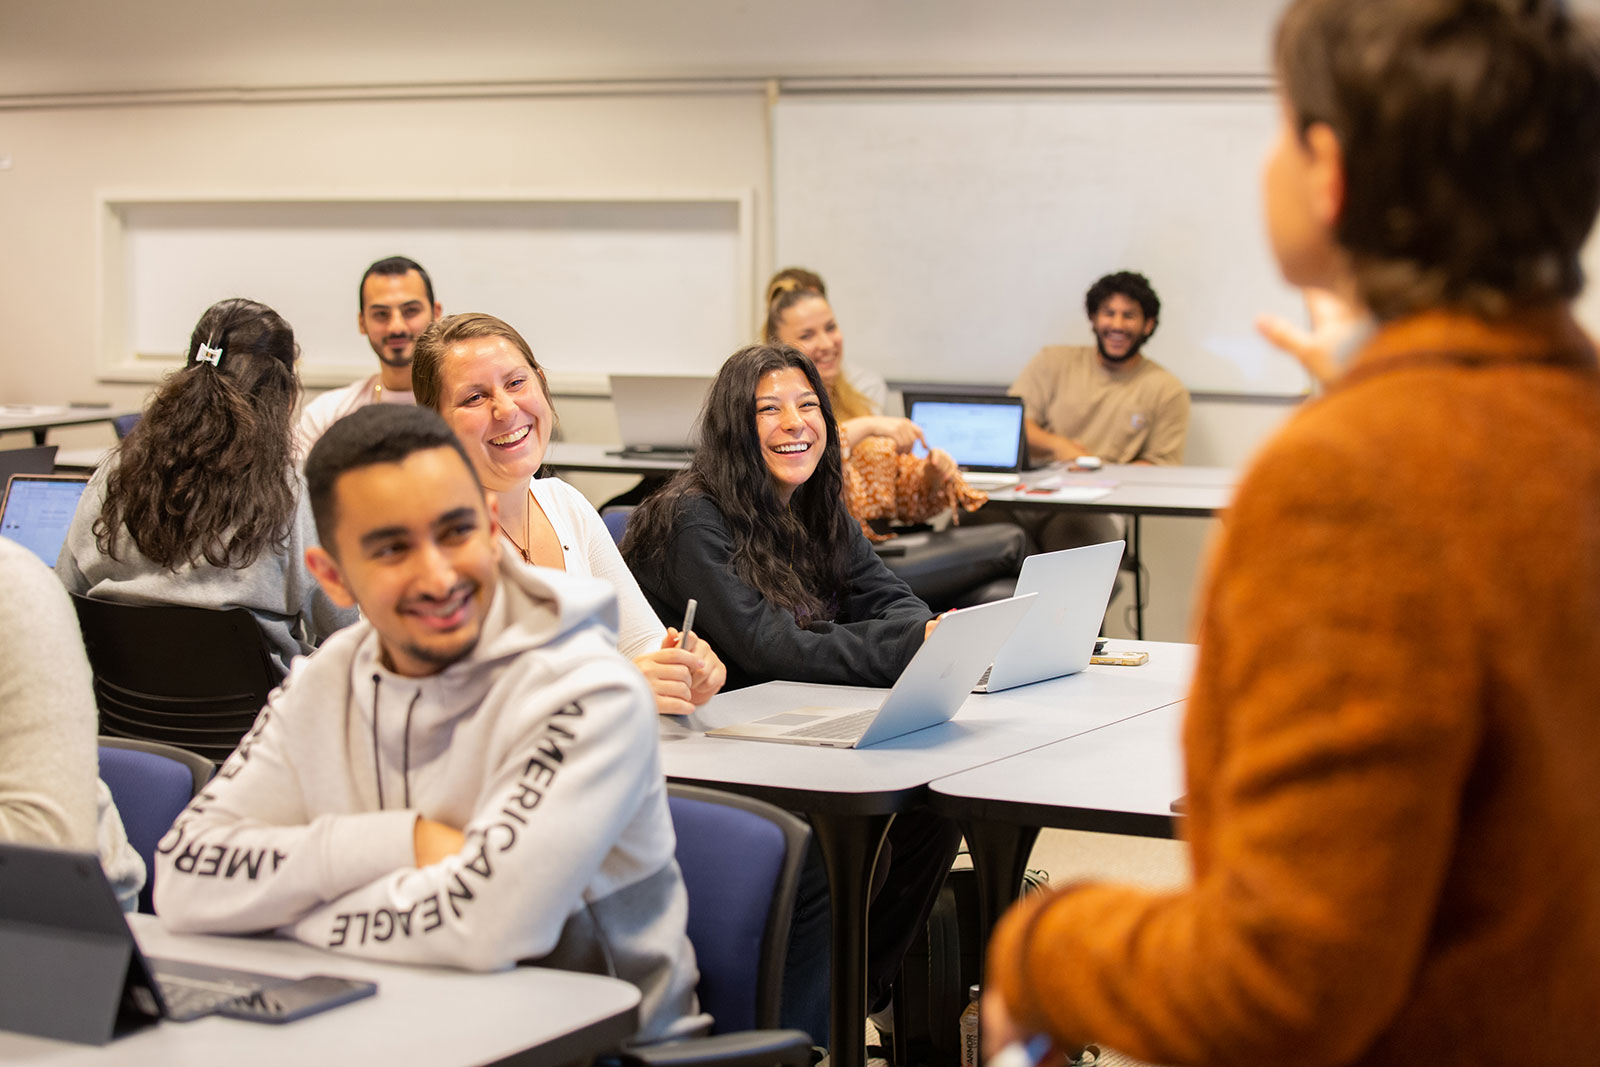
468, 776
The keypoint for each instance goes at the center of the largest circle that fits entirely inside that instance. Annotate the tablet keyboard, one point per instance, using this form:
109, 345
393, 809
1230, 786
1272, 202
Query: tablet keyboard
204, 990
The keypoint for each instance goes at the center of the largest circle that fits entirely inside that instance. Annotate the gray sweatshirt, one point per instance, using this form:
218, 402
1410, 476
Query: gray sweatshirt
292, 610
540, 744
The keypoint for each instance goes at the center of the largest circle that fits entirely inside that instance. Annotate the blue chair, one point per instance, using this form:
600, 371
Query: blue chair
616, 520
151, 783
124, 424
741, 861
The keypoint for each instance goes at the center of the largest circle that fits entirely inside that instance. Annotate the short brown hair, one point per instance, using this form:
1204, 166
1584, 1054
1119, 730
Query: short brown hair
427, 360
1471, 137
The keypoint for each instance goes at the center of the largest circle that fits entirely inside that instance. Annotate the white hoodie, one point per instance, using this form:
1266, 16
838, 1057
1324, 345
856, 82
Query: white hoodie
541, 744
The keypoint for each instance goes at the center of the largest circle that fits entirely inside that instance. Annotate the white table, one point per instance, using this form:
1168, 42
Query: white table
1131, 489
851, 795
40, 419
1121, 778
420, 1015
609, 459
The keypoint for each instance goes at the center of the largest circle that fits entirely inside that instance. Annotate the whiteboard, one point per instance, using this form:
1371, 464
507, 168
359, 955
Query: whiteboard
958, 232
595, 286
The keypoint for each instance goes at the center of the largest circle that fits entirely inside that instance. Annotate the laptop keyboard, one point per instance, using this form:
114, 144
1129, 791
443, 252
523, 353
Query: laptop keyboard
985, 679
846, 726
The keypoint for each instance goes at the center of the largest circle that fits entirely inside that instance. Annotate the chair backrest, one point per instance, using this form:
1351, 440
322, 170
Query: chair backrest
191, 677
151, 784
741, 861
124, 424
616, 519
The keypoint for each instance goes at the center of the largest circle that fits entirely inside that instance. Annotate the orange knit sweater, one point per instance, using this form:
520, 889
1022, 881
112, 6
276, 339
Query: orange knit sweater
1393, 739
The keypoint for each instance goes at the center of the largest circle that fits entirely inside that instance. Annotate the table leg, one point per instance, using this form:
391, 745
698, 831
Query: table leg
850, 845
1000, 852
1138, 579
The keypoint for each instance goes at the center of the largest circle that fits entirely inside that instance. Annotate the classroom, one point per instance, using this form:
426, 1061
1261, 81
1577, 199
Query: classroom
618, 181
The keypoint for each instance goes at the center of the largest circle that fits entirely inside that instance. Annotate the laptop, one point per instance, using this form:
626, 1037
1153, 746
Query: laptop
659, 413
72, 969
38, 509
929, 691
41, 459
1057, 638
983, 434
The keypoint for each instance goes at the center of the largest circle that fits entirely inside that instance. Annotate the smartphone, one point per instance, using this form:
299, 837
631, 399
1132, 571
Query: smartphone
286, 1003
1121, 659
685, 636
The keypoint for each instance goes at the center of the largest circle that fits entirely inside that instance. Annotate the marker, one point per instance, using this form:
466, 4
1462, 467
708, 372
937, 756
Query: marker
685, 637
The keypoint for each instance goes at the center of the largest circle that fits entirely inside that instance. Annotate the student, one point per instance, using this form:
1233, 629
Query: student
799, 315
50, 790
469, 776
1391, 738
396, 304
788, 587
202, 504
1111, 400
883, 483
480, 374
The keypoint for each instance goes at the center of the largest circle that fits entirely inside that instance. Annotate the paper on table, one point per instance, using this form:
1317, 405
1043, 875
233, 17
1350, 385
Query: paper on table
1072, 494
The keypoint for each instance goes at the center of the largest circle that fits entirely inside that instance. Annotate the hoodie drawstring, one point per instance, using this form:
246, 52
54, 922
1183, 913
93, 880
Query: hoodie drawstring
377, 764
405, 746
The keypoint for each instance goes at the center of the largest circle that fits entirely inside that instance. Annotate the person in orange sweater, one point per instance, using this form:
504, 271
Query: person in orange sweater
1393, 737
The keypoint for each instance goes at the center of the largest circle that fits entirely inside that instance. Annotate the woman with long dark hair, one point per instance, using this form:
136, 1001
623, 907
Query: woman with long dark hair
756, 530
202, 503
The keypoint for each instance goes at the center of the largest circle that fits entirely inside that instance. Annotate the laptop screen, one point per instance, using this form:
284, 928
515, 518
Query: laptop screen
37, 511
980, 432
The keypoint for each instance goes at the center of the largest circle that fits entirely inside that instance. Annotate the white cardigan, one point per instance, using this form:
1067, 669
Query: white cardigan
587, 549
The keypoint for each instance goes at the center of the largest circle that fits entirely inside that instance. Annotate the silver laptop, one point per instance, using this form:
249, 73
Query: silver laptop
929, 691
983, 434
37, 511
659, 412
1073, 588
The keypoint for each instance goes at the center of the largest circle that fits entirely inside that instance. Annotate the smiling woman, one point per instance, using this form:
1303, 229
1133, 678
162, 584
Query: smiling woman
480, 374
756, 530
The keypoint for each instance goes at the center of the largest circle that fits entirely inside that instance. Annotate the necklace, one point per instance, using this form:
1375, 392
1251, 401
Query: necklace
527, 526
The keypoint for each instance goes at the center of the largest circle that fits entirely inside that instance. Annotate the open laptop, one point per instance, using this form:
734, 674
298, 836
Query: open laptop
929, 691
659, 413
72, 969
40, 459
983, 434
37, 511
1057, 638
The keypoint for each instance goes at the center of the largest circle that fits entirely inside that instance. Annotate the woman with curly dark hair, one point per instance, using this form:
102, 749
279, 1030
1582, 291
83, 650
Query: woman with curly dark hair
202, 504
756, 530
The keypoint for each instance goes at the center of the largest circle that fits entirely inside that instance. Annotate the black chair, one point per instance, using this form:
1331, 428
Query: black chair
151, 784
741, 861
957, 567
190, 677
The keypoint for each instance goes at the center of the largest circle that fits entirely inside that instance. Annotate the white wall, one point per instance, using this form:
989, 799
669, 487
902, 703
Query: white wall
415, 97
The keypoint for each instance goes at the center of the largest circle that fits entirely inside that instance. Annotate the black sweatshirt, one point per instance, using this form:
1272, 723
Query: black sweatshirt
877, 630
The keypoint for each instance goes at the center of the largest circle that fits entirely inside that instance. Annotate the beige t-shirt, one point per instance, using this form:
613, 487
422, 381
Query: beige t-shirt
1122, 414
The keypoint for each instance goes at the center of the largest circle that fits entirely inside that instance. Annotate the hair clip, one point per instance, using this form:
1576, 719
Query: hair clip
207, 354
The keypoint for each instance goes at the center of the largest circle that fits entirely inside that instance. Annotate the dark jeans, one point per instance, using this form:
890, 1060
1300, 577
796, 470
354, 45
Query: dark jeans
916, 856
